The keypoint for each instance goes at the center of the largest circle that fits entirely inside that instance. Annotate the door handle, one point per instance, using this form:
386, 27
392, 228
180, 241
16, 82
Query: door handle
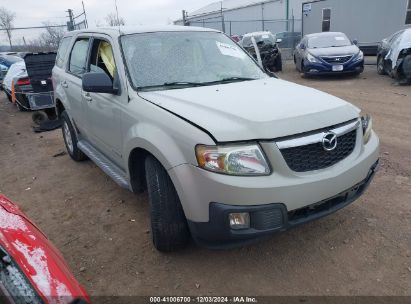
64, 84
87, 97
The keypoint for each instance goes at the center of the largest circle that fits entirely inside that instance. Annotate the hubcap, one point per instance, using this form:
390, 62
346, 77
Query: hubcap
67, 137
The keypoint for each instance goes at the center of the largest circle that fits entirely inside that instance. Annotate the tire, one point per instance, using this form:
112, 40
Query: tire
302, 72
70, 139
279, 64
39, 117
380, 66
404, 72
169, 227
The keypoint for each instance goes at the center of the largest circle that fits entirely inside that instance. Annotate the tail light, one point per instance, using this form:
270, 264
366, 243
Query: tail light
23, 81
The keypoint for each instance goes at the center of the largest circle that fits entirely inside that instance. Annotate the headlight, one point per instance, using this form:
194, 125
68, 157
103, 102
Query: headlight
360, 56
366, 122
241, 160
311, 58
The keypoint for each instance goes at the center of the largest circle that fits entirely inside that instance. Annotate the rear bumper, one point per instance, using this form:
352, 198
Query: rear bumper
326, 68
266, 220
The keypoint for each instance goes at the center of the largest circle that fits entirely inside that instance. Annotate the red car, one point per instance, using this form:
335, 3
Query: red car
32, 270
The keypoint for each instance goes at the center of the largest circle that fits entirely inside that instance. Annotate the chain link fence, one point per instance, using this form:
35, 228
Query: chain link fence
39, 38
289, 31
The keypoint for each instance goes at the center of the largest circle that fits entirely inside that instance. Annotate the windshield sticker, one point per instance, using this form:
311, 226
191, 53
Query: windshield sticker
229, 50
339, 38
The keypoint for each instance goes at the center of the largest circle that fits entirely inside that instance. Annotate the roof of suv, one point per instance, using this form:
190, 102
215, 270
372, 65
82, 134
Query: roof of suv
126, 30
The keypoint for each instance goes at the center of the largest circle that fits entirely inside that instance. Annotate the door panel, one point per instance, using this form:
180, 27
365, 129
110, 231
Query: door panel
104, 110
72, 83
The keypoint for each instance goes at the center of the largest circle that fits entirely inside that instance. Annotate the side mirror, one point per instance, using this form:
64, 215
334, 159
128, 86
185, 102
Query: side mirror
302, 46
98, 82
355, 41
279, 40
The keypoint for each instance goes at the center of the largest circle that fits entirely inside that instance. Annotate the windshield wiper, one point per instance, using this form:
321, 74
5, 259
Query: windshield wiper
230, 79
195, 84
173, 84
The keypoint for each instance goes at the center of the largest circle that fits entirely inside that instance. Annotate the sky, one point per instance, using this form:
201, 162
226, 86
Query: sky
144, 12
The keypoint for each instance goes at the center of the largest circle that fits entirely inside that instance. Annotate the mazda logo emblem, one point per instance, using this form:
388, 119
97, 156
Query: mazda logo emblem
329, 141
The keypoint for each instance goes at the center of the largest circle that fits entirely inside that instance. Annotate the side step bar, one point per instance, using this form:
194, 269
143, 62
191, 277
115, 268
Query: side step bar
104, 163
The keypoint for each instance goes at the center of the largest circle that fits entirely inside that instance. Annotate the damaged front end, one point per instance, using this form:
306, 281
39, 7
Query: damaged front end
270, 56
402, 69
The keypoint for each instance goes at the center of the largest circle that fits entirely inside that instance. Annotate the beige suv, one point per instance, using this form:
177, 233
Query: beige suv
227, 153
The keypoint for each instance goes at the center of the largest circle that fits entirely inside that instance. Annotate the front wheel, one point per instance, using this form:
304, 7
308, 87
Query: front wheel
380, 66
70, 139
168, 223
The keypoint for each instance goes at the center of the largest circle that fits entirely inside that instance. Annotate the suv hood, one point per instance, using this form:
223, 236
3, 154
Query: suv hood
335, 51
260, 109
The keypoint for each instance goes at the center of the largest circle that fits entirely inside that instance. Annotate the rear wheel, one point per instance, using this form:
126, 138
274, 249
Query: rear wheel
39, 117
405, 70
380, 66
168, 223
279, 63
70, 139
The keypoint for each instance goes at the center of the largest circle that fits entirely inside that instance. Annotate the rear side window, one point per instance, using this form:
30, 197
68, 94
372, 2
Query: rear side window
78, 57
61, 53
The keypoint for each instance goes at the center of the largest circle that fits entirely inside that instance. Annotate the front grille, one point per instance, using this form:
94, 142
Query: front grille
337, 59
313, 156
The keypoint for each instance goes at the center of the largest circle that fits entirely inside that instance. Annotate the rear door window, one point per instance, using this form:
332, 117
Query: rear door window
62, 51
78, 57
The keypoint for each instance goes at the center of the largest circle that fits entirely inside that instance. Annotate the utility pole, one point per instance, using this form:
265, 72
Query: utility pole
222, 18
262, 16
184, 18
287, 13
85, 16
70, 24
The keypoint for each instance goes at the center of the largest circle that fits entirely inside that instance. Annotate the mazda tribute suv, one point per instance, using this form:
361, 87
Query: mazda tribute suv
227, 153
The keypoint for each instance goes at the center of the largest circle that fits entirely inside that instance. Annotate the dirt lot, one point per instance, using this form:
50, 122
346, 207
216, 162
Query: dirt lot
102, 230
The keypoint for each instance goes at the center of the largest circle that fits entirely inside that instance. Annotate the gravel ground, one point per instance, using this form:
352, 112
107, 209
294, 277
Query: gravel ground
102, 230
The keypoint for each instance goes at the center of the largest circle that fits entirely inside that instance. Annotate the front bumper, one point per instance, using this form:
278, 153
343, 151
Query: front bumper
325, 68
266, 220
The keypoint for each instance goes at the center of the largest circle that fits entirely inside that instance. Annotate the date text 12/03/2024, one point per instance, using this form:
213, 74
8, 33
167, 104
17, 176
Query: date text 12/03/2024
204, 299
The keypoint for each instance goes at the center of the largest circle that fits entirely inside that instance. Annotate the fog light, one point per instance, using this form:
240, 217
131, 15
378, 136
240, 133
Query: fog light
314, 71
239, 220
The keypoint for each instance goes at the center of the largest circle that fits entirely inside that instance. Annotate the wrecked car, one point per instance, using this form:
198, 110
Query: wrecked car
34, 90
267, 46
394, 56
32, 270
